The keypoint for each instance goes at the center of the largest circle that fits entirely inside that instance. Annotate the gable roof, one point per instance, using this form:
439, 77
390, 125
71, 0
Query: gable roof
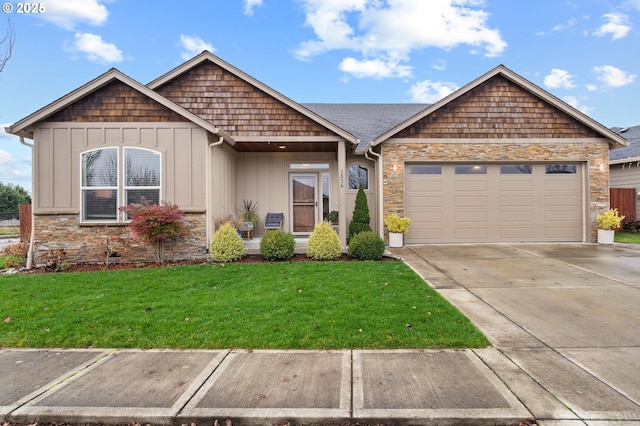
208, 56
366, 121
629, 153
22, 127
615, 140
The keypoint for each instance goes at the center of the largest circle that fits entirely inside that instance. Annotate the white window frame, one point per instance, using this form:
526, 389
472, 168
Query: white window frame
121, 188
84, 188
124, 180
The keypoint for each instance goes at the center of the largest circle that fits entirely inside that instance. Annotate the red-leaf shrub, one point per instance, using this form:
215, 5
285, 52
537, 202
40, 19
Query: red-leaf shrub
156, 224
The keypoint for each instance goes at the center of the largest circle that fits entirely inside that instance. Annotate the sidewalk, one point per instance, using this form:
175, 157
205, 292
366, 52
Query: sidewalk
256, 387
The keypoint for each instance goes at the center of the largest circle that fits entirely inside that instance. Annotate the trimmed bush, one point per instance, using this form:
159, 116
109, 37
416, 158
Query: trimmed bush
366, 245
360, 218
226, 245
277, 245
324, 243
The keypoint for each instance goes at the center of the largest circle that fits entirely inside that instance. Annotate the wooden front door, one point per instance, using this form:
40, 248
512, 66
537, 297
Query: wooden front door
304, 202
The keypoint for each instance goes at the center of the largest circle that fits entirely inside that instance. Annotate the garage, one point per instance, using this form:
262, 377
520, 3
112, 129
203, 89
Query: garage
493, 203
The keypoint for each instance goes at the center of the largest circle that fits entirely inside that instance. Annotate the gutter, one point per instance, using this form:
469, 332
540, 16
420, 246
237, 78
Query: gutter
379, 189
208, 187
32, 237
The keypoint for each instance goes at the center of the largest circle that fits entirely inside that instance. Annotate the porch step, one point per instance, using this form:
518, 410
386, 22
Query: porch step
253, 245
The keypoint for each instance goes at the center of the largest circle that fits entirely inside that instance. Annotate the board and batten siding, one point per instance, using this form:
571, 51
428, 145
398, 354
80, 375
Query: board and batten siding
59, 145
629, 177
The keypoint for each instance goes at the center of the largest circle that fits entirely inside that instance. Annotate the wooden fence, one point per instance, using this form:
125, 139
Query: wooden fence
25, 222
624, 199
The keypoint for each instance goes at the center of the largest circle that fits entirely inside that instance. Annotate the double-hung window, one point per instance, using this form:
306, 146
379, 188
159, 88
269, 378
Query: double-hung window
113, 177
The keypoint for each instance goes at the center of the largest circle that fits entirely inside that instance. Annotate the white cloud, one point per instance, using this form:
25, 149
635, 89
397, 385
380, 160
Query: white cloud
379, 30
617, 26
634, 3
249, 5
613, 77
429, 92
95, 49
559, 79
376, 68
192, 46
68, 13
574, 102
15, 169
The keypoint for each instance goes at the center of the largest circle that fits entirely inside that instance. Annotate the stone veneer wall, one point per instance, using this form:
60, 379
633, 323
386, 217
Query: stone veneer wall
593, 151
88, 243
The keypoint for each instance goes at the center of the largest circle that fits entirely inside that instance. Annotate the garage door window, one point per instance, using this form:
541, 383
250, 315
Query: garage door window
423, 169
515, 169
468, 169
560, 169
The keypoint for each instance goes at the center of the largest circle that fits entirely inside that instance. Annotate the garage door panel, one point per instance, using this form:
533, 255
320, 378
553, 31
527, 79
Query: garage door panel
516, 200
423, 201
555, 201
517, 233
494, 207
425, 186
471, 185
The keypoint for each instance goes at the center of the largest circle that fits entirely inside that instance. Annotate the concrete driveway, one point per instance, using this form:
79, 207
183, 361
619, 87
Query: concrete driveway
566, 315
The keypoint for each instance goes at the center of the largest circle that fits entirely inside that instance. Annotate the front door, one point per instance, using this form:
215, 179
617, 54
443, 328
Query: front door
304, 202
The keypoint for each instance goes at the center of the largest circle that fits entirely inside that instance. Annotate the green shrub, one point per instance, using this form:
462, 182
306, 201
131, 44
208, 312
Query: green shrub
324, 243
366, 246
277, 245
360, 218
227, 245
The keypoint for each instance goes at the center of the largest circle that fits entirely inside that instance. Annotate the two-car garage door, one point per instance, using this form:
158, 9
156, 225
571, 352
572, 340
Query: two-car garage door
453, 203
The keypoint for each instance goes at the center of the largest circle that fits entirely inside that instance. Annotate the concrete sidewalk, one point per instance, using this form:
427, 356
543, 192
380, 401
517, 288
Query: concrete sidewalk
563, 320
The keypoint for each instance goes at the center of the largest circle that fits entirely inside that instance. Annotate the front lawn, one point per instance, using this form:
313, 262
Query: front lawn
627, 237
305, 305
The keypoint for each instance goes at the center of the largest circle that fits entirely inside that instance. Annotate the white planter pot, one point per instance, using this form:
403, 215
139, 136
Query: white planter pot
395, 239
605, 236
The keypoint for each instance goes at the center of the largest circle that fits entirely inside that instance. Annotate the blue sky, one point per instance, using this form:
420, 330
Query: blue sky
582, 51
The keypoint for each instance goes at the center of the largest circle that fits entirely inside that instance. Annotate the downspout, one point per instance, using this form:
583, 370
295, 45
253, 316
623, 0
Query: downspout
379, 189
32, 237
208, 188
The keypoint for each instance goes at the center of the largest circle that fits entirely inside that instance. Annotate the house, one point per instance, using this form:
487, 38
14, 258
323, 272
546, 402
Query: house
499, 160
624, 174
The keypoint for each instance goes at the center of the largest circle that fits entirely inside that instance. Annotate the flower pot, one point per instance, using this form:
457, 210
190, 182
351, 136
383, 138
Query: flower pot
395, 239
605, 236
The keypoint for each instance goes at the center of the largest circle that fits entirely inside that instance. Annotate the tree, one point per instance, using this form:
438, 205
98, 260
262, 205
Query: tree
6, 45
11, 196
156, 224
360, 218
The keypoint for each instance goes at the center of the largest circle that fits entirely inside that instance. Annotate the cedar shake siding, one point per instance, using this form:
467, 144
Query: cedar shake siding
498, 108
116, 102
236, 106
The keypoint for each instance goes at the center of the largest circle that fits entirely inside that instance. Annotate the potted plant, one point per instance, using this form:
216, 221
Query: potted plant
607, 222
397, 227
332, 218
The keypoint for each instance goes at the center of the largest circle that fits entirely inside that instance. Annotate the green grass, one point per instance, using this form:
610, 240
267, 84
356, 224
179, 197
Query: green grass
306, 305
7, 261
627, 237
9, 231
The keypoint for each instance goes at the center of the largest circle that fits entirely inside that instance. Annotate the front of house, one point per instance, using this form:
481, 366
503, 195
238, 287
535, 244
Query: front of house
500, 160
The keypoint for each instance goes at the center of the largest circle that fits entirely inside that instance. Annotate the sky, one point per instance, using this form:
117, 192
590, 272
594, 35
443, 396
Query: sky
584, 52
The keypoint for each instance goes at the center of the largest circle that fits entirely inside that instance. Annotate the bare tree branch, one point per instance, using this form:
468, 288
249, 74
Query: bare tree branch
7, 41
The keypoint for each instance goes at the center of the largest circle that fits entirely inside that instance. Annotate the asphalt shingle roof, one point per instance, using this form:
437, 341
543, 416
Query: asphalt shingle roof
632, 134
366, 121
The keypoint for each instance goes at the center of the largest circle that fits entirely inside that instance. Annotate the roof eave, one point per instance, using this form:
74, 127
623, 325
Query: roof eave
615, 140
